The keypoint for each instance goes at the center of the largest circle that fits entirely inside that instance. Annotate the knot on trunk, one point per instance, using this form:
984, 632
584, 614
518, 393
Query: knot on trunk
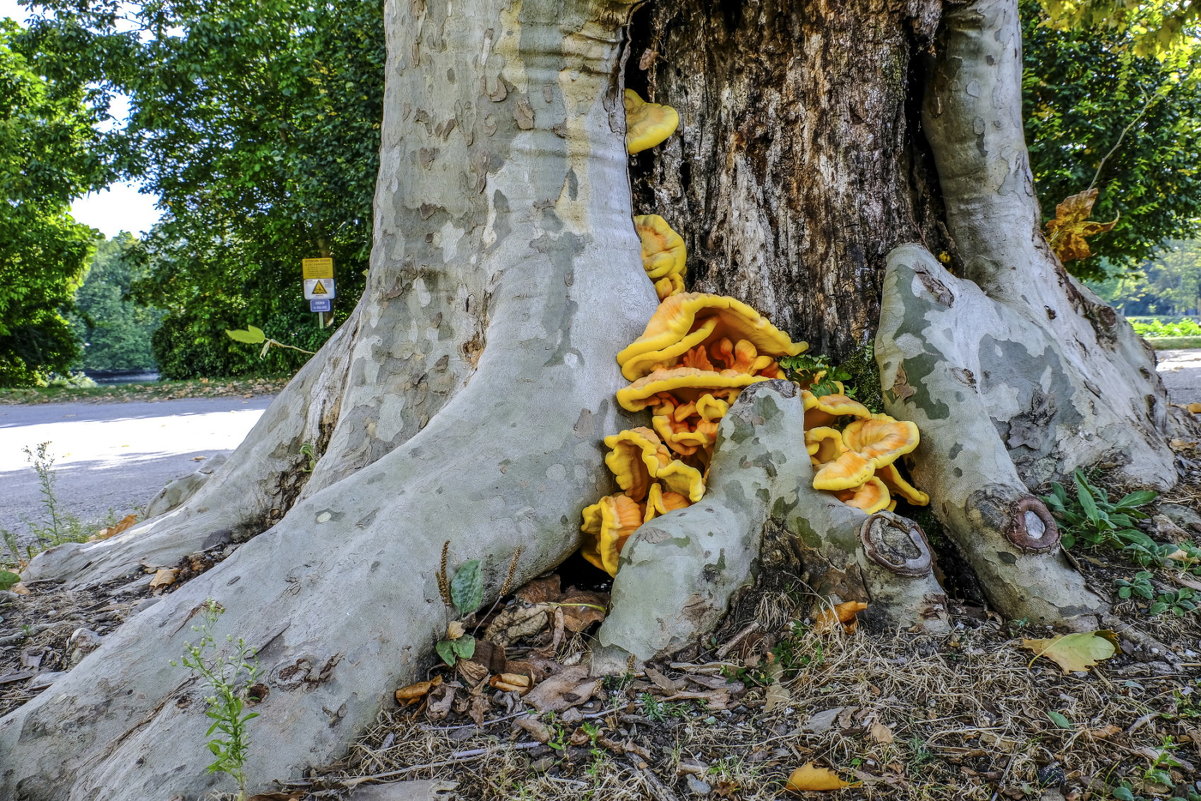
896, 544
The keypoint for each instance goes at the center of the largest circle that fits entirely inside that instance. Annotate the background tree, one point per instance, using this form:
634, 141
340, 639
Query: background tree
114, 330
47, 158
836, 162
1102, 112
1169, 283
258, 127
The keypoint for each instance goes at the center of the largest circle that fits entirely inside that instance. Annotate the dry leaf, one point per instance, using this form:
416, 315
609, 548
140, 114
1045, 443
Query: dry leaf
1103, 732
511, 682
880, 733
19, 589
163, 577
112, 531
1074, 652
1181, 444
540, 590
455, 630
843, 613
563, 690
415, 692
809, 777
1066, 233
1194, 408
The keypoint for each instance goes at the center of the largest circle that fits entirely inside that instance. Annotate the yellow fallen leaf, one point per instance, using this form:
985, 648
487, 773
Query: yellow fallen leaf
1194, 408
843, 613
881, 733
1066, 233
112, 531
415, 692
1177, 444
164, 577
1073, 652
809, 777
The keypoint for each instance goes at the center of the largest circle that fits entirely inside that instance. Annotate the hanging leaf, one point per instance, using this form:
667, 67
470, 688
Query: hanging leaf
1066, 233
809, 777
252, 335
467, 587
1074, 652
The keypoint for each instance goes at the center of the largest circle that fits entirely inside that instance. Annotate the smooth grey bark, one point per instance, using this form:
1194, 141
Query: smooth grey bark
509, 219
1088, 392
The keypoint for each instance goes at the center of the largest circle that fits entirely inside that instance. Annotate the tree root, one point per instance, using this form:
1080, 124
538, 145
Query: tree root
680, 571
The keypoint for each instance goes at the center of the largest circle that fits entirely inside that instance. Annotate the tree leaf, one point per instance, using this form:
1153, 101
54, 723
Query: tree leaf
1073, 652
250, 336
1067, 232
446, 650
467, 587
464, 647
1059, 720
809, 777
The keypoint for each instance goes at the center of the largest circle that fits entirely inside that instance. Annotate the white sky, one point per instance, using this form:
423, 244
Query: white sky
120, 207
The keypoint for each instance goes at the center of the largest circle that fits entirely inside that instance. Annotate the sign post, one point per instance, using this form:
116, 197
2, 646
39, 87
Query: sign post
319, 287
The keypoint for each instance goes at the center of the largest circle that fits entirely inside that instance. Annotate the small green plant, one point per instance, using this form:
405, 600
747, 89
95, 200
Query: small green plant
253, 335
814, 373
796, 650
464, 592
57, 526
228, 674
1177, 601
919, 754
658, 710
1089, 519
310, 454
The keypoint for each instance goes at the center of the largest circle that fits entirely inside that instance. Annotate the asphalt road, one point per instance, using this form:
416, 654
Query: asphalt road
112, 457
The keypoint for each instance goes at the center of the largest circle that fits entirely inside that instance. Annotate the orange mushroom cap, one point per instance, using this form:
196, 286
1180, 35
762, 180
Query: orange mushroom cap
897, 485
663, 251
881, 439
635, 458
847, 471
680, 315
825, 409
871, 496
683, 382
668, 285
824, 444
610, 521
660, 502
647, 124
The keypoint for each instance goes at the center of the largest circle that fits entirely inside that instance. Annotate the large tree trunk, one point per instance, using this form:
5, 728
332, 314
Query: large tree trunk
465, 400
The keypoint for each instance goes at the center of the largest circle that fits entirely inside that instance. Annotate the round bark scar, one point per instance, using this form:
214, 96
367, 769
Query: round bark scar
896, 544
1031, 527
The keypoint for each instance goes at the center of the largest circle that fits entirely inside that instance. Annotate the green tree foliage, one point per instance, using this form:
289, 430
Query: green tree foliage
1169, 283
1099, 114
114, 330
46, 160
258, 126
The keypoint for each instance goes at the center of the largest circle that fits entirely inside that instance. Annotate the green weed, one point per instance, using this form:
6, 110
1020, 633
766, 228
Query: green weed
228, 674
1088, 519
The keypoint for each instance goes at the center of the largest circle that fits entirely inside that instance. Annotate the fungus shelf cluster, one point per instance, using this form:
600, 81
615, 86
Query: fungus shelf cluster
696, 354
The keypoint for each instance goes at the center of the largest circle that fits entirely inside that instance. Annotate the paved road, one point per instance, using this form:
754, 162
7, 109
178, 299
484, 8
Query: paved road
113, 456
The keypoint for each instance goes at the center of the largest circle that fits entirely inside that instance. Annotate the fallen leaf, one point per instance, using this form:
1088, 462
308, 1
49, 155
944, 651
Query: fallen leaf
112, 531
1181, 444
163, 577
1067, 232
822, 722
1075, 652
1103, 732
563, 690
536, 728
19, 589
1194, 408
843, 613
880, 733
809, 777
511, 682
540, 590
413, 693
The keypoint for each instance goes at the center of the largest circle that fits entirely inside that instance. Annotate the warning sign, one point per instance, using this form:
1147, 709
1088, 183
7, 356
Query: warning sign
317, 268
318, 288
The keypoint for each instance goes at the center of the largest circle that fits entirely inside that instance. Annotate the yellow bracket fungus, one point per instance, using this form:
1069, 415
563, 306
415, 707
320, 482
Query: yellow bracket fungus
647, 124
